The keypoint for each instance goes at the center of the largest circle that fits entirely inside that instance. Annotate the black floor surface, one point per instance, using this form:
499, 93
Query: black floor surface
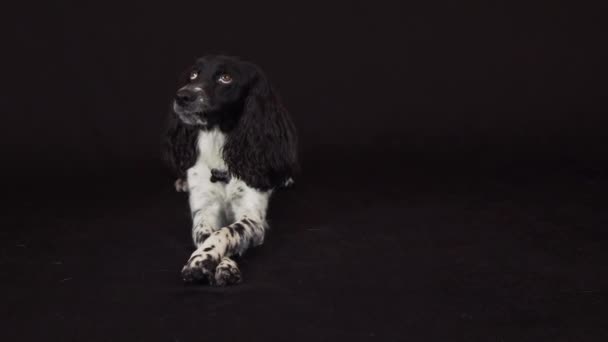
404, 255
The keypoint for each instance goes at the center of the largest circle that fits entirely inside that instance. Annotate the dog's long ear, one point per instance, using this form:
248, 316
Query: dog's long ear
179, 145
262, 148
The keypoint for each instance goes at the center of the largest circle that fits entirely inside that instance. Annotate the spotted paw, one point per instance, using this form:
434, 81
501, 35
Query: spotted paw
200, 268
227, 273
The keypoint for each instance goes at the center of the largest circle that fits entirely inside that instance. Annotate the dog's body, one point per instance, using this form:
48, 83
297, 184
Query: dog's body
231, 146
218, 204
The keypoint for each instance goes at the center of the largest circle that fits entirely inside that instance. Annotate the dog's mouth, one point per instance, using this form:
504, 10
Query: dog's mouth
199, 118
189, 116
192, 118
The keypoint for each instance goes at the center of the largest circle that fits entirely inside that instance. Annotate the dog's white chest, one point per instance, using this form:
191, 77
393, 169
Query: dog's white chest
232, 199
210, 144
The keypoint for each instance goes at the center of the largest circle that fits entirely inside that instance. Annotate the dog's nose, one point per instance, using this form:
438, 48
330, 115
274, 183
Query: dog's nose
184, 97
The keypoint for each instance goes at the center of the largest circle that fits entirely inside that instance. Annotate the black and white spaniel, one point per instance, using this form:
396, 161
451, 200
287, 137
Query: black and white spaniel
231, 143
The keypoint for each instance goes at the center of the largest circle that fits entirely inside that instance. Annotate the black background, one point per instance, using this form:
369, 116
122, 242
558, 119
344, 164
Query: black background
454, 172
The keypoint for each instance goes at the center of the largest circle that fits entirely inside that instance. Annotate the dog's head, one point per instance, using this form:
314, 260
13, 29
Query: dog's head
214, 91
236, 97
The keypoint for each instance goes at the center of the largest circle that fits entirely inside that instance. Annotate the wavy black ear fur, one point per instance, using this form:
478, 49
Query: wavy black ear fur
262, 148
179, 146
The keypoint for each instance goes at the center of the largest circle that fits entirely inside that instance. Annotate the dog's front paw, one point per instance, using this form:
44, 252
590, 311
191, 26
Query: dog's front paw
204, 268
200, 268
227, 273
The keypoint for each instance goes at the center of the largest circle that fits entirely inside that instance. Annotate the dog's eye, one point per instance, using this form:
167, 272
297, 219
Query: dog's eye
193, 75
225, 79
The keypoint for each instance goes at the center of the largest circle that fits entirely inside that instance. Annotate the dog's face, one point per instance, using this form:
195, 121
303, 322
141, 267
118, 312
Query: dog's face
213, 92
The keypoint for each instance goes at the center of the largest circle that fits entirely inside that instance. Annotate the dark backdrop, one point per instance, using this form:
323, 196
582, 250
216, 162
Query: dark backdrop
453, 186
87, 85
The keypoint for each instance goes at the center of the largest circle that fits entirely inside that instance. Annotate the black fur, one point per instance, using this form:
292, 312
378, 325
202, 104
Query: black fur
220, 176
261, 139
179, 149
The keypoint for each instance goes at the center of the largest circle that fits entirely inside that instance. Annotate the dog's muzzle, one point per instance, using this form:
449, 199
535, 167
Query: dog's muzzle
189, 105
185, 97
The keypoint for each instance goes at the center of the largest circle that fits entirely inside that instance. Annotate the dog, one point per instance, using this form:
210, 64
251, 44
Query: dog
231, 143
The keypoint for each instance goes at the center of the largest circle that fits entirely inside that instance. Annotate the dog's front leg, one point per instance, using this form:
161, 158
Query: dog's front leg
211, 261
